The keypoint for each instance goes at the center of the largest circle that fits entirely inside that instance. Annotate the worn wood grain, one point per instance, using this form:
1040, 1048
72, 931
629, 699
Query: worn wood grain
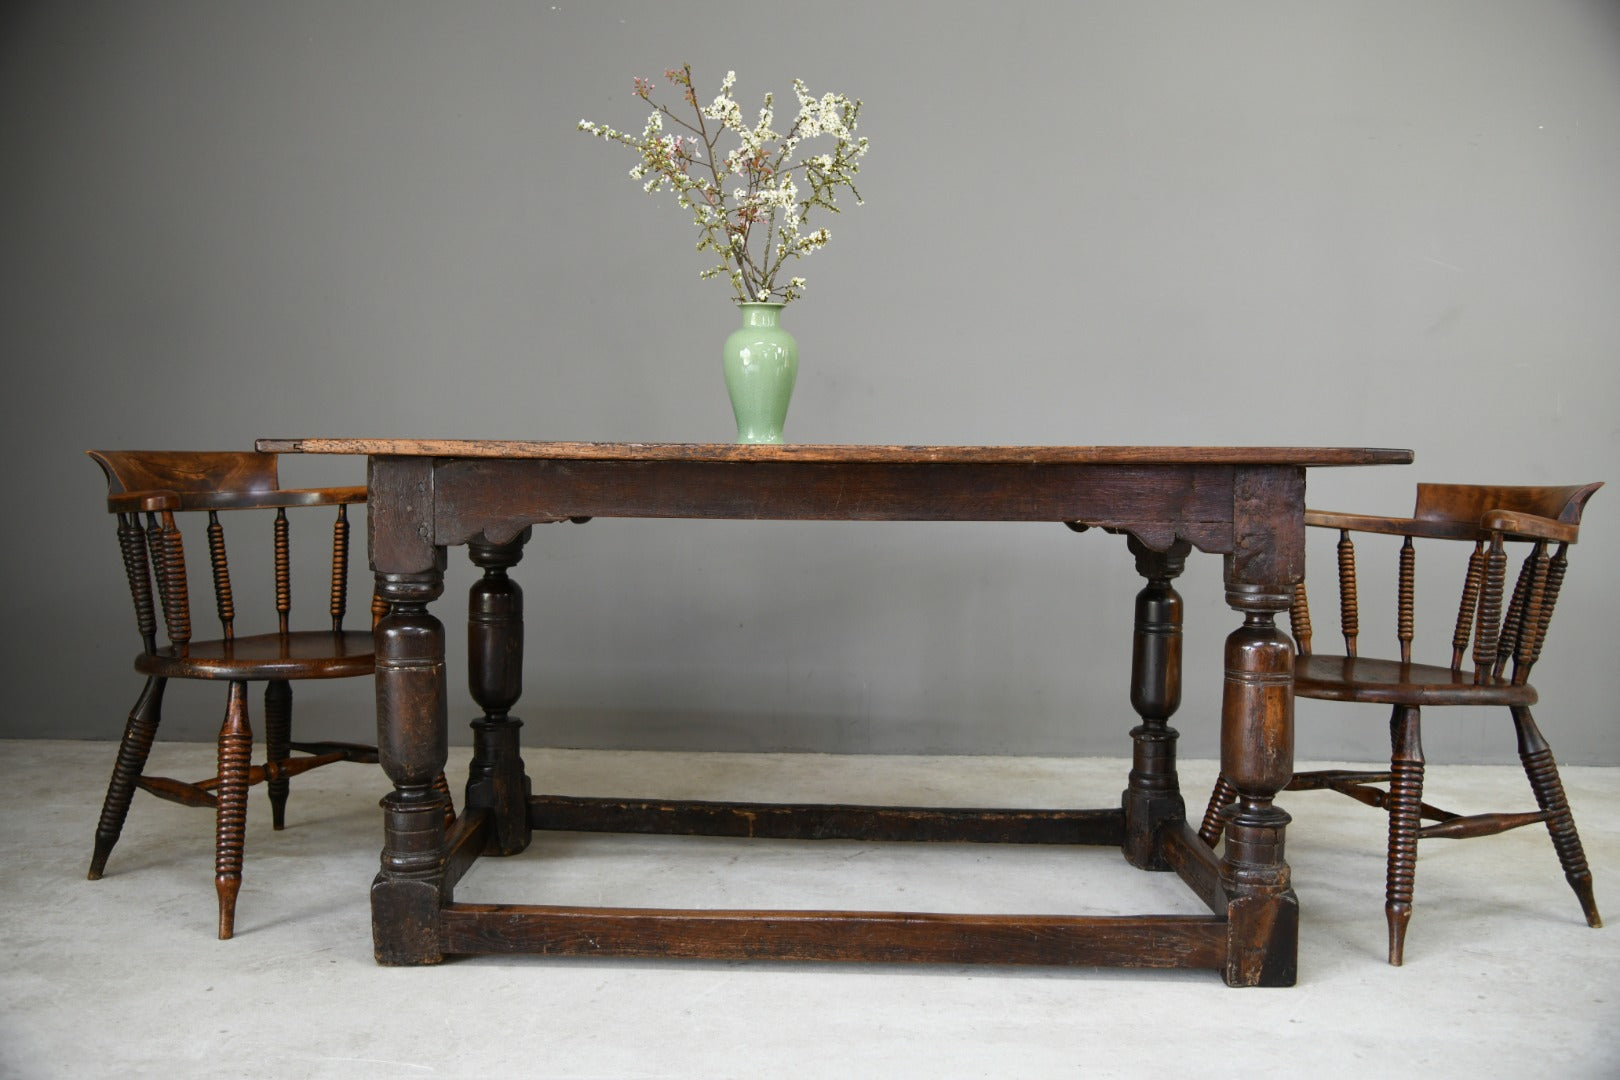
806, 821
1148, 941
844, 454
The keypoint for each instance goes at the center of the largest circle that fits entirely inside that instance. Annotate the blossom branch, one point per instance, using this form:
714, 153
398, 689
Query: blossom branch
762, 162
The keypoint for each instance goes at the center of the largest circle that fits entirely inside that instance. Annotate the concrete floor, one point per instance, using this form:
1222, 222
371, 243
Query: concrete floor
123, 977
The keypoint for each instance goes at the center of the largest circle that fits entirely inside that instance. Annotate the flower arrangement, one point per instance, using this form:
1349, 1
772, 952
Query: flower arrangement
763, 219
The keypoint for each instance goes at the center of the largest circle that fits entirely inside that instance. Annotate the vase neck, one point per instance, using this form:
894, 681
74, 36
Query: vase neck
757, 314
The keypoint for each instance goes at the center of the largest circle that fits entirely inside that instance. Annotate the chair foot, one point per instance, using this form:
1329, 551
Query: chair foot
1582, 884
98, 860
1398, 914
227, 885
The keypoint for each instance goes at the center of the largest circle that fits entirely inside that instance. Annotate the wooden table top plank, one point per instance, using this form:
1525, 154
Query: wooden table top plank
844, 453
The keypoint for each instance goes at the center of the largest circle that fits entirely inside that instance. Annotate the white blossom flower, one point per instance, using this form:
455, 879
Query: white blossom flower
747, 202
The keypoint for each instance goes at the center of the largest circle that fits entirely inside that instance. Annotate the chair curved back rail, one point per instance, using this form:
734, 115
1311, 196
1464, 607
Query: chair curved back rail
149, 492
1491, 518
1496, 640
157, 485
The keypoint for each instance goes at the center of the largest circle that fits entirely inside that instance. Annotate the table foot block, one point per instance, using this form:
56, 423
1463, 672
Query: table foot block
1146, 941
784, 821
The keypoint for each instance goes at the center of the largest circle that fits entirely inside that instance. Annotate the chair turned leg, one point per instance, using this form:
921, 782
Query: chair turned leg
133, 751
230, 823
1220, 798
441, 787
1542, 770
277, 744
1405, 802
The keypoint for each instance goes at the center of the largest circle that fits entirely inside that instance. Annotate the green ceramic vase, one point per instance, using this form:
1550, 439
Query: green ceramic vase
761, 364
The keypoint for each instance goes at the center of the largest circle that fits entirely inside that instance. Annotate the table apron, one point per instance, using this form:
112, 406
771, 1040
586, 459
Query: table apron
496, 498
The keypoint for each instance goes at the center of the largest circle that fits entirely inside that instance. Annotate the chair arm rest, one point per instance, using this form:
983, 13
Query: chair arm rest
1393, 526
1512, 524
330, 496
135, 502
1516, 526
234, 500
269, 500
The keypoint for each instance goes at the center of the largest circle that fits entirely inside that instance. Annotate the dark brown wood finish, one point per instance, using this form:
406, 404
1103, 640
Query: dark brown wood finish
1145, 941
844, 454
818, 821
161, 485
1153, 793
1495, 641
1246, 504
151, 492
496, 780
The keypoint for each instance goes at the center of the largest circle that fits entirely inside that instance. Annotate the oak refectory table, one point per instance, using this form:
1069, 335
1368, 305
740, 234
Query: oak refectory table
1246, 504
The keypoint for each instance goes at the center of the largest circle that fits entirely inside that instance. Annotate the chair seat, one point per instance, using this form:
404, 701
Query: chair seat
307, 654
1390, 682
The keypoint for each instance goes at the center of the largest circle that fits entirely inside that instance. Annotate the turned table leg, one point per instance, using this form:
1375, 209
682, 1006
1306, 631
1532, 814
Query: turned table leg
496, 781
412, 746
1153, 794
1257, 756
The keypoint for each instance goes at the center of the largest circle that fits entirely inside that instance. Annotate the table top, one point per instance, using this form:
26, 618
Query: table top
844, 453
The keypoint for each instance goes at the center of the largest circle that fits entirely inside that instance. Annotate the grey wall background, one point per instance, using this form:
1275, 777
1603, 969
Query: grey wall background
1375, 224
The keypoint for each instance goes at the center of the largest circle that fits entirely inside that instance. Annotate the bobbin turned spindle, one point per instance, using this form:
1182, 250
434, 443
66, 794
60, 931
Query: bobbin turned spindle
151, 494
1503, 647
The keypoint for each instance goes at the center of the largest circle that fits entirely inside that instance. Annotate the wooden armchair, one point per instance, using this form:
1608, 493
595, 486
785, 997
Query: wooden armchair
151, 493
1542, 522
